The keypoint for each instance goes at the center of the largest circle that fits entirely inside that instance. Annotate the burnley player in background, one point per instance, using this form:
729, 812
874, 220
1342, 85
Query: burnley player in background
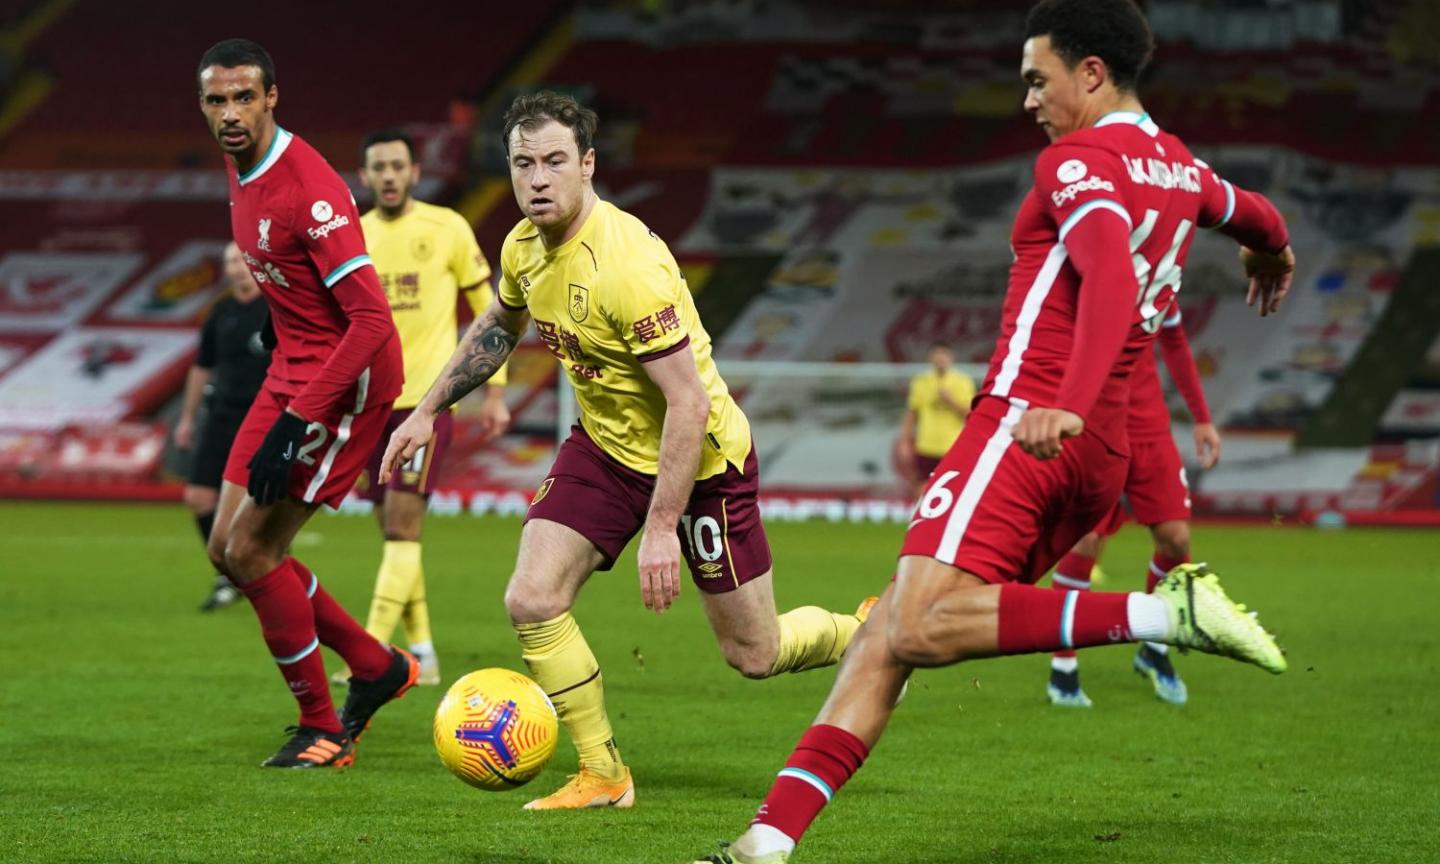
334, 372
427, 259
660, 446
1043, 456
228, 371
1158, 494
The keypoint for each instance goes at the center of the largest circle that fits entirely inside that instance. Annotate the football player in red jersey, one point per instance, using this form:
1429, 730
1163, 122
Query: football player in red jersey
1158, 494
1044, 453
333, 374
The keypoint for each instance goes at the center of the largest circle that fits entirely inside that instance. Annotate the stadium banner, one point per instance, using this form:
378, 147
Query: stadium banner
175, 291
49, 291
90, 375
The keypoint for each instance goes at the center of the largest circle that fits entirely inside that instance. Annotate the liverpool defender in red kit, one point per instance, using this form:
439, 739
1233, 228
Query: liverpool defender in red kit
1099, 244
333, 374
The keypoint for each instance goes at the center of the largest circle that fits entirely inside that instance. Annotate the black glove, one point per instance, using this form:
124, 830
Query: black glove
267, 334
270, 466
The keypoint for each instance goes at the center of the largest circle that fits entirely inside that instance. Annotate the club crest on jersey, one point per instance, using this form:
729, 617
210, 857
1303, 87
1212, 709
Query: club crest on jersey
264, 243
421, 248
1071, 170
579, 303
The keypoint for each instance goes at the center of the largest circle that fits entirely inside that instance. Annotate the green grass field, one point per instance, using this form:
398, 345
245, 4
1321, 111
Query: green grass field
132, 727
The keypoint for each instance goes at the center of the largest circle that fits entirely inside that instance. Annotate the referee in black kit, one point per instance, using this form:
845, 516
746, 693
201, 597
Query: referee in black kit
228, 372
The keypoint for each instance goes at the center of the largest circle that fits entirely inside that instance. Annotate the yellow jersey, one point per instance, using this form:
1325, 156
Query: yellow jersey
605, 302
937, 425
425, 260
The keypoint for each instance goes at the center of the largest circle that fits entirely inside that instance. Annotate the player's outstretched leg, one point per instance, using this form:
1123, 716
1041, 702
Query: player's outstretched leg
554, 561
1071, 574
867, 687
758, 643
1204, 618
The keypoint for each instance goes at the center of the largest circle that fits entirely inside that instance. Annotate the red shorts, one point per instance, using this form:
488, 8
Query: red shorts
334, 451
605, 501
1156, 488
997, 512
415, 475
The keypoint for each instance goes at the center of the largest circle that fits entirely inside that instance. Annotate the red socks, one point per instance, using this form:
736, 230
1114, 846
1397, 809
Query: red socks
367, 656
288, 625
1037, 619
1072, 574
1159, 566
825, 758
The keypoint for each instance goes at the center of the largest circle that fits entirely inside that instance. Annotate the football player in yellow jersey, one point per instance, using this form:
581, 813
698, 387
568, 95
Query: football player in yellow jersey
427, 258
935, 412
660, 445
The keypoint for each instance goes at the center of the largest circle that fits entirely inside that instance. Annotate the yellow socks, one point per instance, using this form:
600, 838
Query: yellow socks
811, 637
417, 611
394, 585
562, 664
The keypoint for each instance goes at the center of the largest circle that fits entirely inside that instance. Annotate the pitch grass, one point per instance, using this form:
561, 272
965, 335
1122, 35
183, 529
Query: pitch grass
131, 727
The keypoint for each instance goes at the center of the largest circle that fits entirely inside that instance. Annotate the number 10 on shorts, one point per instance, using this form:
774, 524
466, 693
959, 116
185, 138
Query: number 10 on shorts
703, 536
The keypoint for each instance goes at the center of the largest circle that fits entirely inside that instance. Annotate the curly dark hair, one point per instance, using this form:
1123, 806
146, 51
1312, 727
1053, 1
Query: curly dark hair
233, 53
1113, 30
531, 110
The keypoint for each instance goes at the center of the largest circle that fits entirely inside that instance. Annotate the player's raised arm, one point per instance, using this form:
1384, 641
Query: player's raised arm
483, 349
1251, 220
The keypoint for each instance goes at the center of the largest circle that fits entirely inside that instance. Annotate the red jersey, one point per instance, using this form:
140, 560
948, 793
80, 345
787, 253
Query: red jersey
299, 231
1126, 165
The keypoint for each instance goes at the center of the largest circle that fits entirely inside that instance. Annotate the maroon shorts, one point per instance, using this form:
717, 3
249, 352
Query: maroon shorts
606, 502
925, 465
415, 475
335, 449
997, 512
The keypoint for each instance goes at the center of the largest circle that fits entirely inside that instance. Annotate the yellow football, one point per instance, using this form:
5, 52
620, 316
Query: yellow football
495, 729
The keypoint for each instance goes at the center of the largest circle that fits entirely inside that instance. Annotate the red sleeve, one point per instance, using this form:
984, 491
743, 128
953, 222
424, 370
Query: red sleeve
1175, 348
1244, 216
1099, 249
369, 327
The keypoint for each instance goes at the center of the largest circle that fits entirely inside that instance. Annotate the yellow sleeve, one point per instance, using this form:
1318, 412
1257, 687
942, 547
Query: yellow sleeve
648, 308
916, 400
509, 291
467, 262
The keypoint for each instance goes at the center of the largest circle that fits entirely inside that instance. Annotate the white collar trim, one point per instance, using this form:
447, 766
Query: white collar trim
277, 149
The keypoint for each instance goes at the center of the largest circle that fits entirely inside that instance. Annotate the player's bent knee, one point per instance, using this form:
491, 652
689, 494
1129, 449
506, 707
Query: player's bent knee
751, 660
526, 605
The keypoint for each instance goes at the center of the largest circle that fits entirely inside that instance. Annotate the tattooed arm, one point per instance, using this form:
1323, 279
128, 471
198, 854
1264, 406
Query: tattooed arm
482, 350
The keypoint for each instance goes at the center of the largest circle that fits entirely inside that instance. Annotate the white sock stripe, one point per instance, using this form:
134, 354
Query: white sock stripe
1156, 570
296, 658
314, 583
1067, 620
806, 777
1071, 582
